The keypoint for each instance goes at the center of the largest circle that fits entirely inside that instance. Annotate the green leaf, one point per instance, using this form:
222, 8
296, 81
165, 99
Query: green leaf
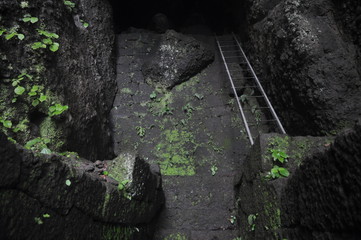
7, 123
20, 36
34, 19
251, 218
243, 98
54, 47
37, 45
14, 100
214, 170
24, 4
284, 172
42, 97
47, 41
10, 35
35, 102
52, 108
15, 83
106, 173
46, 215
69, 4
47, 34
153, 95
32, 93
19, 90
57, 109
38, 220
2, 30
68, 182
26, 18
46, 151
12, 140
32, 142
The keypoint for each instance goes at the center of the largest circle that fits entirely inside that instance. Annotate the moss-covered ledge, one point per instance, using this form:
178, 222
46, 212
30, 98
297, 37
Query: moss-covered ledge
259, 191
53, 197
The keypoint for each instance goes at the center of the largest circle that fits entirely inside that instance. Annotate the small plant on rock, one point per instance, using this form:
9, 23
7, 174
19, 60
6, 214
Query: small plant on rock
252, 221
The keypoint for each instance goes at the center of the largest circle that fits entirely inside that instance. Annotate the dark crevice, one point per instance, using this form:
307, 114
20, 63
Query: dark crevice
220, 16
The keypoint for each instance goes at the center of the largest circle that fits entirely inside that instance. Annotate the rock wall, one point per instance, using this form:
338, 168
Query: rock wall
319, 199
53, 197
80, 74
307, 54
322, 198
258, 193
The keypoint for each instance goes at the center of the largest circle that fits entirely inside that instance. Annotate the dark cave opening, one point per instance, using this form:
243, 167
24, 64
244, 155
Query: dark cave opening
219, 16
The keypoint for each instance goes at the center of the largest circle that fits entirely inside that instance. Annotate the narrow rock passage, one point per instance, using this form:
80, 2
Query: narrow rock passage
192, 131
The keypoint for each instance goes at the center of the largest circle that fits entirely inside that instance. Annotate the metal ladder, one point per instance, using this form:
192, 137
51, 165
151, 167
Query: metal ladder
256, 110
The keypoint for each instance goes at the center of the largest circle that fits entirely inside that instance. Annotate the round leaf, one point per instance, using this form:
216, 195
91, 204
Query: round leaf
54, 47
7, 124
46, 151
19, 90
21, 36
68, 182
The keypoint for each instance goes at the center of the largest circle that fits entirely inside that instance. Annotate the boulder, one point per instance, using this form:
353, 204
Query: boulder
175, 59
307, 56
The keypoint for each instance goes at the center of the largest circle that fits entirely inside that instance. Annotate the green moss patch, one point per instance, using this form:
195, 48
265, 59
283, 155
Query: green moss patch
176, 153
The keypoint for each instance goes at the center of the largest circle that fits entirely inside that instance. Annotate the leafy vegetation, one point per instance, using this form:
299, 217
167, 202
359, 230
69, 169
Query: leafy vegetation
29, 18
251, 219
214, 169
140, 131
68, 182
47, 41
277, 150
70, 5
57, 109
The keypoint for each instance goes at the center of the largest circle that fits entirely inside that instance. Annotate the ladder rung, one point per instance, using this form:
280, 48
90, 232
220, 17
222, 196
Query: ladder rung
258, 108
231, 51
228, 46
246, 87
271, 120
258, 96
227, 41
242, 78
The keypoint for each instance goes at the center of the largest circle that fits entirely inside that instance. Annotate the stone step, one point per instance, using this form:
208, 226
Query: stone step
176, 234
195, 193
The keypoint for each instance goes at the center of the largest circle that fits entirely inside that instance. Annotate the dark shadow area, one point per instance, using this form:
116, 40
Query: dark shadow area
219, 16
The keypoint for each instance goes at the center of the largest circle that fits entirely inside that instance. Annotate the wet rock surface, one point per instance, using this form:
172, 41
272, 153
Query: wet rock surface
66, 198
176, 58
192, 131
307, 53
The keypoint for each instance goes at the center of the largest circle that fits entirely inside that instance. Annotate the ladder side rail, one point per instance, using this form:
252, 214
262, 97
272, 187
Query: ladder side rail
273, 112
235, 94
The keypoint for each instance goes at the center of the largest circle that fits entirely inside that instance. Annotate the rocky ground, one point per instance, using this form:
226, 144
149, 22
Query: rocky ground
192, 131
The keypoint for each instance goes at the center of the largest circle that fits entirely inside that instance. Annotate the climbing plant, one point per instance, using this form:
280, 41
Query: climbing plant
27, 93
